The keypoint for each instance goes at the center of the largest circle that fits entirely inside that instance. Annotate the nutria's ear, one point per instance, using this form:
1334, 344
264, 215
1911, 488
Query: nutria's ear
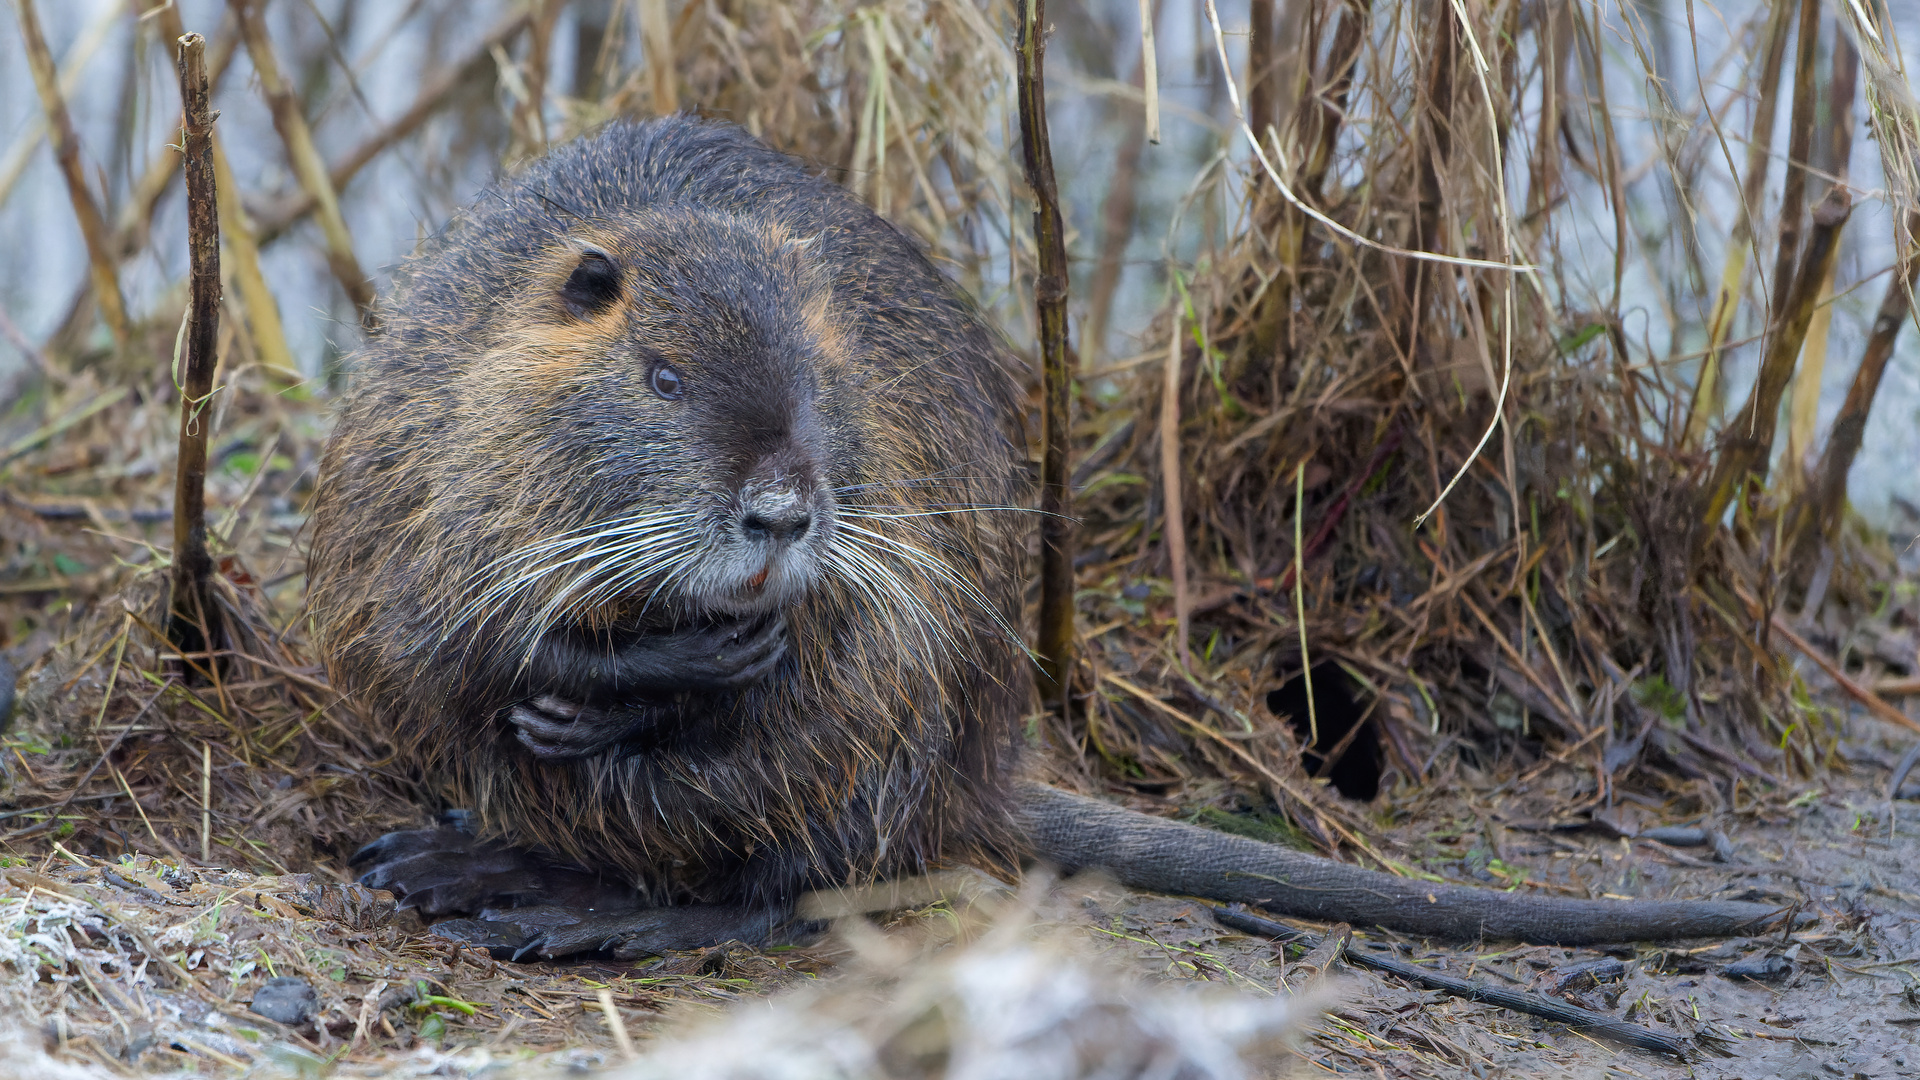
593, 286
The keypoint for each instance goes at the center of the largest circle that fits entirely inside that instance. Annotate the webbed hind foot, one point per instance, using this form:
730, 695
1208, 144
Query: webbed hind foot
549, 932
449, 871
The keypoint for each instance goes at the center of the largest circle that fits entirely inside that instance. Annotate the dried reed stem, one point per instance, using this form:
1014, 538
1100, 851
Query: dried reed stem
432, 97
193, 366
1055, 638
1150, 67
1803, 409
1707, 389
66, 149
206, 802
263, 312
617, 1025
1286, 190
656, 42
1175, 511
1873, 702
1263, 74
1748, 442
305, 158
1331, 90
72, 65
1793, 194
131, 230
1300, 599
1829, 484
1117, 212
530, 114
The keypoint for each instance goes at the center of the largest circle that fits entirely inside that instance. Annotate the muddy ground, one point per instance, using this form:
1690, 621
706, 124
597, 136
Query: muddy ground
1842, 997
161, 962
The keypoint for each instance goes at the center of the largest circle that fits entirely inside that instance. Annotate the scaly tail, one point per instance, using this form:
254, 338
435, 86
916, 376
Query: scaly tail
1072, 832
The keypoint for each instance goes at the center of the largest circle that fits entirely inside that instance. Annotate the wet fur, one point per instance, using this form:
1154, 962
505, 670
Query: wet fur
491, 417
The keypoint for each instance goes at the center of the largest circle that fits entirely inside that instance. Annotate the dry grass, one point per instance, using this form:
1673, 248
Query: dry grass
1566, 601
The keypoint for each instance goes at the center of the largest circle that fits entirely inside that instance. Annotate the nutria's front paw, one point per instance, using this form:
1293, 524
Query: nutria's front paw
556, 729
720, 655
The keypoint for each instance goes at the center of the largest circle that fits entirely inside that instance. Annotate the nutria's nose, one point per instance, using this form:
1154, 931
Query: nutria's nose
782, 525
780, 517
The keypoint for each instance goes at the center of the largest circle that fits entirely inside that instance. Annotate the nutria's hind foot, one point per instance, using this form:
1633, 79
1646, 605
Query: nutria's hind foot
448, 871
549, 932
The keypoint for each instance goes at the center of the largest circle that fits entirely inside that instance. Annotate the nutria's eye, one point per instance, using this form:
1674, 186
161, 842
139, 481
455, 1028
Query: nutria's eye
593, 286
667, 383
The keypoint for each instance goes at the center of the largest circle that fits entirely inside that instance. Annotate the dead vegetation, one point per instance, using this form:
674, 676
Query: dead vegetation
1272, 589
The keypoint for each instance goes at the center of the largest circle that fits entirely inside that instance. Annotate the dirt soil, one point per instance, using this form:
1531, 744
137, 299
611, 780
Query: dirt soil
146, 967
1842, 998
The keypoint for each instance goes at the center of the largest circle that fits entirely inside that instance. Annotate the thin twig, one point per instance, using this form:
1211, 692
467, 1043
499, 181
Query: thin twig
1300, 599
1587, 1020
1874, 703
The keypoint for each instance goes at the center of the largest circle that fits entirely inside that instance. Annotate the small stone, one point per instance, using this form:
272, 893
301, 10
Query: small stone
1760, 969
286, 1000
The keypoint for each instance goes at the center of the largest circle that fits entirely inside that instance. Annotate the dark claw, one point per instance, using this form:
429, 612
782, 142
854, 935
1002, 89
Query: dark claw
503, 941
542, 732
446, 871
408, 843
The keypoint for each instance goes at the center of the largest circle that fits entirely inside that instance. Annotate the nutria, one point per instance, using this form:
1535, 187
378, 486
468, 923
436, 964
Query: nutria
675, 528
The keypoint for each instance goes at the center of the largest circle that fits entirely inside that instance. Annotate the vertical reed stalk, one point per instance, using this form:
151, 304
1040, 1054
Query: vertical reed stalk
1329, 92
656, 41
1117, 212
66, 150
1836, 151
1748, 442
308, 166
1433, 132
1263, 74
263, 312
1828, 494
1150, 67
530, 116
1793, 194
1175, 505
1707, 389
192, 605
1055, 639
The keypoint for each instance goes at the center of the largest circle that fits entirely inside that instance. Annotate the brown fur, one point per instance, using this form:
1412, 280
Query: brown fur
488, 417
